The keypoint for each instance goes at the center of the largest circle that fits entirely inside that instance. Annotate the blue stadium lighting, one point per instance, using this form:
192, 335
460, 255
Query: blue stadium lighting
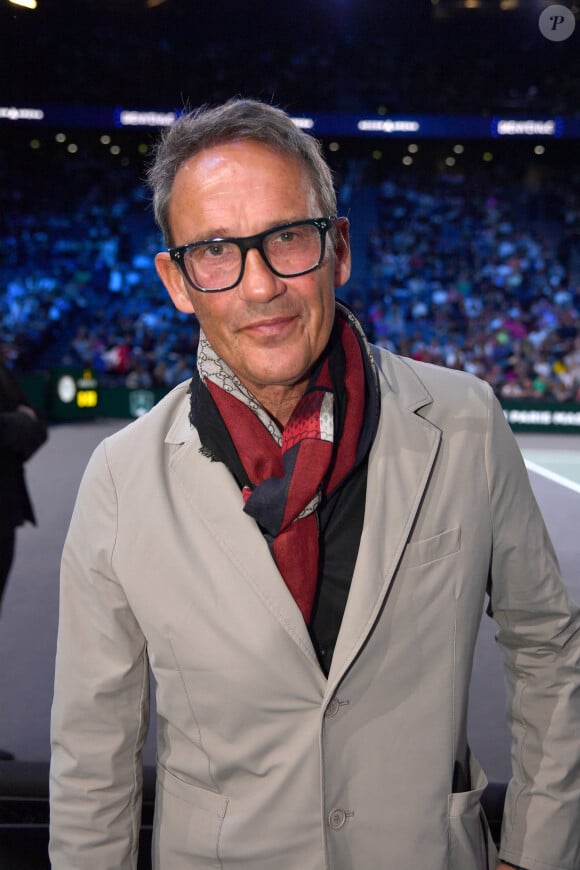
129, 118
304, 123
12, 113
526, 127
331, 124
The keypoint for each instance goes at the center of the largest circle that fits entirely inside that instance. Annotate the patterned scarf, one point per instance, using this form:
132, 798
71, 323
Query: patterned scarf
326, 438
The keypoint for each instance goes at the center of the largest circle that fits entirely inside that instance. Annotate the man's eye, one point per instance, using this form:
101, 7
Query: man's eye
215, 250
212, 251
287, 237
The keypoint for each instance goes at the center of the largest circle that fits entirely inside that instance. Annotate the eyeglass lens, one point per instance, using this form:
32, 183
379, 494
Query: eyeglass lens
288, 251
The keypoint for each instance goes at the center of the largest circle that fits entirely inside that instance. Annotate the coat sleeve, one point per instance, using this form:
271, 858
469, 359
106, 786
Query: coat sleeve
539, 633
101, 700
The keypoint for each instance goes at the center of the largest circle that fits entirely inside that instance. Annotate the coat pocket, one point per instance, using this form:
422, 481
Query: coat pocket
470, 843
187, 826
431, 549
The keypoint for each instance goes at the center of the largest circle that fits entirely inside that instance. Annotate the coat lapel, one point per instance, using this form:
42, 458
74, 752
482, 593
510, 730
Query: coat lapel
213, 495
400, 464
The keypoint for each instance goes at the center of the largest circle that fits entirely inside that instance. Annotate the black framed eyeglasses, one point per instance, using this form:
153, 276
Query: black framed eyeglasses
289, 250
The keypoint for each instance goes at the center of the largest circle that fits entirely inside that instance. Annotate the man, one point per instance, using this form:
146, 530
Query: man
299, 544
21, 434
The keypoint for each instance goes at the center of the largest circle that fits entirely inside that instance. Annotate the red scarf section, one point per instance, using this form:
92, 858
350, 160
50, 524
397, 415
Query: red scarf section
287, 480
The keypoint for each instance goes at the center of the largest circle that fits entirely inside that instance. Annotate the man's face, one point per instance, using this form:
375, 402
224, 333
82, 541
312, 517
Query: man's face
269, 330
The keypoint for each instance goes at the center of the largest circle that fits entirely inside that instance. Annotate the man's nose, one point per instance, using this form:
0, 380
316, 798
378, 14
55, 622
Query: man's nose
259, 284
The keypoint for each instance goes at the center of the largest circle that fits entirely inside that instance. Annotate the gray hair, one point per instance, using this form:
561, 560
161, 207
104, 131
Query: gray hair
234, 120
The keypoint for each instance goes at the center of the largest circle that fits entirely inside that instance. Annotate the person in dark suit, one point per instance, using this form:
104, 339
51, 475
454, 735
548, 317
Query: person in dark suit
22, 432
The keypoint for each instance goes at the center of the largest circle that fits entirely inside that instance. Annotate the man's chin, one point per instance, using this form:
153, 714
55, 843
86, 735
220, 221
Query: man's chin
268, 377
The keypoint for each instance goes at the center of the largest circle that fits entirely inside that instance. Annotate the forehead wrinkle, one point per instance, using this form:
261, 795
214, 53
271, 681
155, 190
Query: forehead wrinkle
218, 186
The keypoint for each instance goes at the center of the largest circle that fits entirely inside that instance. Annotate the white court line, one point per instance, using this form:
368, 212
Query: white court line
551, 475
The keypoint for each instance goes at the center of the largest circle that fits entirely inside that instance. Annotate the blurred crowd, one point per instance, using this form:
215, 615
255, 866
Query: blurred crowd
80, 288
481, 277
469, 270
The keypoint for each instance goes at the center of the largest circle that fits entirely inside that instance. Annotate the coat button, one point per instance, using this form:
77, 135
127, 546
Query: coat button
333, 707
336, 819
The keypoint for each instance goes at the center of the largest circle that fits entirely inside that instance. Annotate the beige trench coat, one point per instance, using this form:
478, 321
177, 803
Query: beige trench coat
264, 763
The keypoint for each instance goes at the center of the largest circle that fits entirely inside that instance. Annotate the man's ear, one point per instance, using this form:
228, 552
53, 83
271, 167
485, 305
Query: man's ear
174, 281
341, 252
